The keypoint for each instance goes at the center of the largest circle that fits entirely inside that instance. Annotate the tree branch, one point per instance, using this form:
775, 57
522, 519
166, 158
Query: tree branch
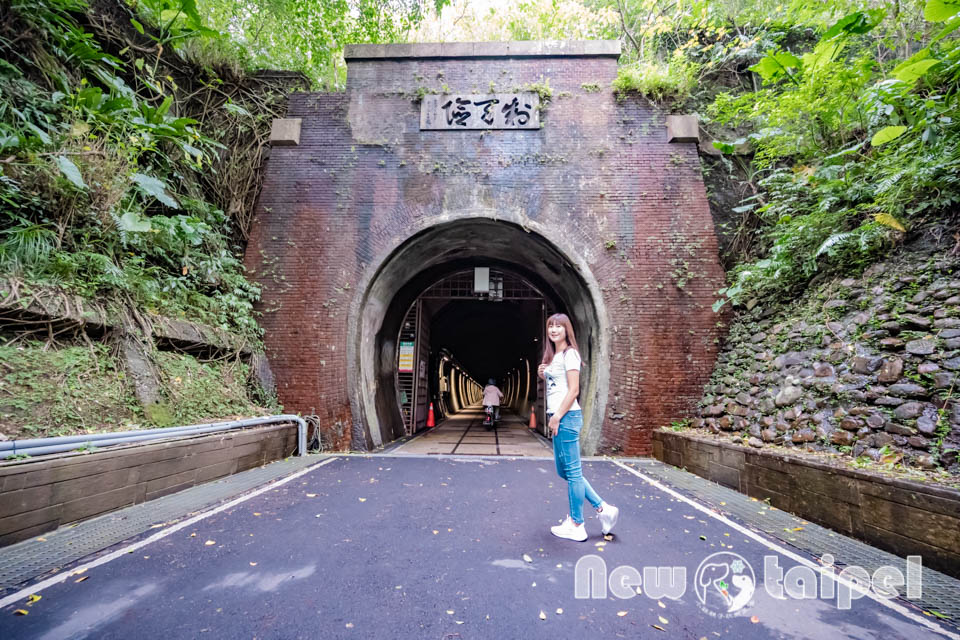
623, 22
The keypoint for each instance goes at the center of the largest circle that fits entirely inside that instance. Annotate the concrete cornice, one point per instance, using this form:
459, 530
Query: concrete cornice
516, 49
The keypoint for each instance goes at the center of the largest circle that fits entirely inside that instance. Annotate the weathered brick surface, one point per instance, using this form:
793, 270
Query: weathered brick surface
364, 176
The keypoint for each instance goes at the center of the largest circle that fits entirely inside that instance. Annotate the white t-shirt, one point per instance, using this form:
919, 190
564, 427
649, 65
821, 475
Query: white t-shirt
555, 376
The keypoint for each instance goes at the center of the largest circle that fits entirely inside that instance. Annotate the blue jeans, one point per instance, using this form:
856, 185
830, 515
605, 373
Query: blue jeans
566, 453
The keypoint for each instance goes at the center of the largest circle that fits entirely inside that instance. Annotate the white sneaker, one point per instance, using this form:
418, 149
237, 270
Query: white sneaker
570, 531
608, 517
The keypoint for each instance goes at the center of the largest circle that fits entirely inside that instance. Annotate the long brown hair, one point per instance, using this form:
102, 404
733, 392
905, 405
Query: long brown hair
559, 319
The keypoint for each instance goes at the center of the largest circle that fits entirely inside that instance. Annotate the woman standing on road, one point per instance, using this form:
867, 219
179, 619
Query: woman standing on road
560, 370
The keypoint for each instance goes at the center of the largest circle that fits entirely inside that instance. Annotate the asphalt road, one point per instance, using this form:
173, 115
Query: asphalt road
401, 547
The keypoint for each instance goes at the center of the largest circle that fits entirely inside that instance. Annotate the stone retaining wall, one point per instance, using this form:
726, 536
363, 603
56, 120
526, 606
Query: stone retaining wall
864, 366
40, 495
900, 516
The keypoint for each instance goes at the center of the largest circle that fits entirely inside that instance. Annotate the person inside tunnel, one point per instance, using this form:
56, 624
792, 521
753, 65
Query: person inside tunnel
492, 397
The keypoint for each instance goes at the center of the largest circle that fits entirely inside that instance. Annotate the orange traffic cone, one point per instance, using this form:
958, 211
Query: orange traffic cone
533, 419
430, 420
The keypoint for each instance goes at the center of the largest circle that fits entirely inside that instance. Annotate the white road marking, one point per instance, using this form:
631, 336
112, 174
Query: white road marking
57, 579
793, 556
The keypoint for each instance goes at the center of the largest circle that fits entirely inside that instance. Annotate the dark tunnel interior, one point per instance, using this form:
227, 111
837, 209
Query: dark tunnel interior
456, 339
489, 339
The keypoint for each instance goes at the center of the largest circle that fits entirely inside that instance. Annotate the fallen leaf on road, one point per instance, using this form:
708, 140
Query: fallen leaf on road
349, 625
662, 606
459, 621
450, 611
81, 579
41, 539
543, 616
435, 532
621, 613
256, 513
703, 537
311, 495
527, 558
21, 612
754, 619
362, 499
253, 564
33, 598
193, 535
663, 620
656, 626
209, 542
559, 611
608, 537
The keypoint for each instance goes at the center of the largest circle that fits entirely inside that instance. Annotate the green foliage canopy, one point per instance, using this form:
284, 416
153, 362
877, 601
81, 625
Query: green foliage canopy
309, 36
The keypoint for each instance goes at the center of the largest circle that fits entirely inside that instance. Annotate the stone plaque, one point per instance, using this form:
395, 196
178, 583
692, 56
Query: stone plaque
490, 111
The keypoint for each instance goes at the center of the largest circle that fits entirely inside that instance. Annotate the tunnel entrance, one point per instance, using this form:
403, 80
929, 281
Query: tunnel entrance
472, 326
462, 302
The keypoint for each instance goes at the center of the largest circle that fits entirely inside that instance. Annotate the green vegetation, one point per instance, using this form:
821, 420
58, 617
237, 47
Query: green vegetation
671, 81
302, 36
67, 390
111, 186
853, 143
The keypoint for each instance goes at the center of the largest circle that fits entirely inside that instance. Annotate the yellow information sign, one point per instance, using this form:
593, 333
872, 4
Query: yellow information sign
405, 363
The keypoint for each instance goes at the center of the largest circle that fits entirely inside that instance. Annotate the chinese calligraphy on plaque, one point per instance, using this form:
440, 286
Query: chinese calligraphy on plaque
490, 111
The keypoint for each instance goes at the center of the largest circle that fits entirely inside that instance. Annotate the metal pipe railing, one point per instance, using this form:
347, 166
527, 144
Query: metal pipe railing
43, 446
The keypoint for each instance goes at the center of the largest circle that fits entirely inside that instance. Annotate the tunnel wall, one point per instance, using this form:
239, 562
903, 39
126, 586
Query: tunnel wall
599, 174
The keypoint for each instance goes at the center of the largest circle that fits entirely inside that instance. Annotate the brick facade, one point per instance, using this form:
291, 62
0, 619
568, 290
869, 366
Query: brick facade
598, 183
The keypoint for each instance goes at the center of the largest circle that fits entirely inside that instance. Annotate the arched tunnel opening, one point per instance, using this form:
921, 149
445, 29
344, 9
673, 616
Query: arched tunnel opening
471, 327
462, 302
